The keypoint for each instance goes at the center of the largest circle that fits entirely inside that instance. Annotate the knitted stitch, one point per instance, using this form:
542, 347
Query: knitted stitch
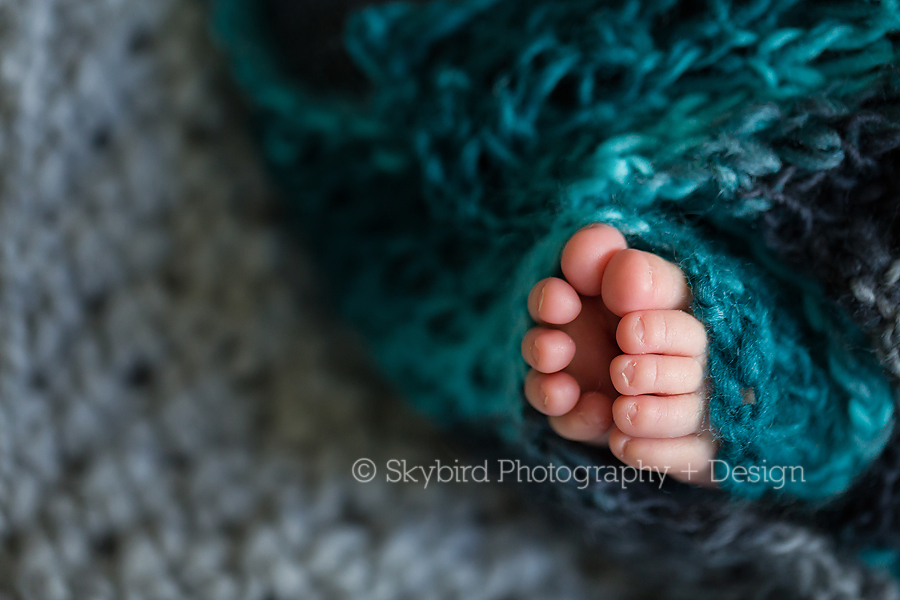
498, 128
841, 223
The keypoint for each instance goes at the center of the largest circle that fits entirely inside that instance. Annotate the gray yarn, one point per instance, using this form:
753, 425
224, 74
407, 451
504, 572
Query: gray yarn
876, 294
175, 420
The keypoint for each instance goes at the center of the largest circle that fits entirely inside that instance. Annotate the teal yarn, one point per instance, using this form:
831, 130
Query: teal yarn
496, 128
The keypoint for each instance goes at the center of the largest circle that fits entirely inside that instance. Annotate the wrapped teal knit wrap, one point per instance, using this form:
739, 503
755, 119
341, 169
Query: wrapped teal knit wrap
497, 128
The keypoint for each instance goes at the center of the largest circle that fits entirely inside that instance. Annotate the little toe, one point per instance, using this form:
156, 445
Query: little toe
672, 332
554, 394
589, 421
547, 350
587, 254
553, 301
688, 458
660, 416
633, 375
635, 280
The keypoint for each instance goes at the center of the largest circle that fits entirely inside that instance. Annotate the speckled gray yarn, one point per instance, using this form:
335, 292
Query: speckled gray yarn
175, 421
842, 220
840, 223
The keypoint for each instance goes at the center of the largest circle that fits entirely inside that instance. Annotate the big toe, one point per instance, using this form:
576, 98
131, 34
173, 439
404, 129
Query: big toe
587, 254
635, 280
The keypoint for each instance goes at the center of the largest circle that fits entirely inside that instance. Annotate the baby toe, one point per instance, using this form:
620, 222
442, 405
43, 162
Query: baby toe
672, 332
635, 280
633, 375
554, 394
588, 421
586, 255
660, 416
547, 350
554, 301
688, 458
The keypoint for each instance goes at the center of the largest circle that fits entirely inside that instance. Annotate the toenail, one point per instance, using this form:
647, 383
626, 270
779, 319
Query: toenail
541, 299
620, 450
639, 329
589, 419
628, 372
535, 355
631, 413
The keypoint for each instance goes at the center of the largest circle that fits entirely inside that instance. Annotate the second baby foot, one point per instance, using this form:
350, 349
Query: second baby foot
617, 358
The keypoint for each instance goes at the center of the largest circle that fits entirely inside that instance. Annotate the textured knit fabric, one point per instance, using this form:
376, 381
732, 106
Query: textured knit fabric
497, 128
177, 422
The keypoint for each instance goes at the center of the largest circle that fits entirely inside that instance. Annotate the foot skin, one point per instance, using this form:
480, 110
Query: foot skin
617, 359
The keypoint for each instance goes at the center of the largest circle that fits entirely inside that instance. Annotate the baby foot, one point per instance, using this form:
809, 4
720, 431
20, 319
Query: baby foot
617, 358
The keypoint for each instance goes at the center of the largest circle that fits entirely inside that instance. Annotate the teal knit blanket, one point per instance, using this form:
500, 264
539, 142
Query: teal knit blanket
496, 128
